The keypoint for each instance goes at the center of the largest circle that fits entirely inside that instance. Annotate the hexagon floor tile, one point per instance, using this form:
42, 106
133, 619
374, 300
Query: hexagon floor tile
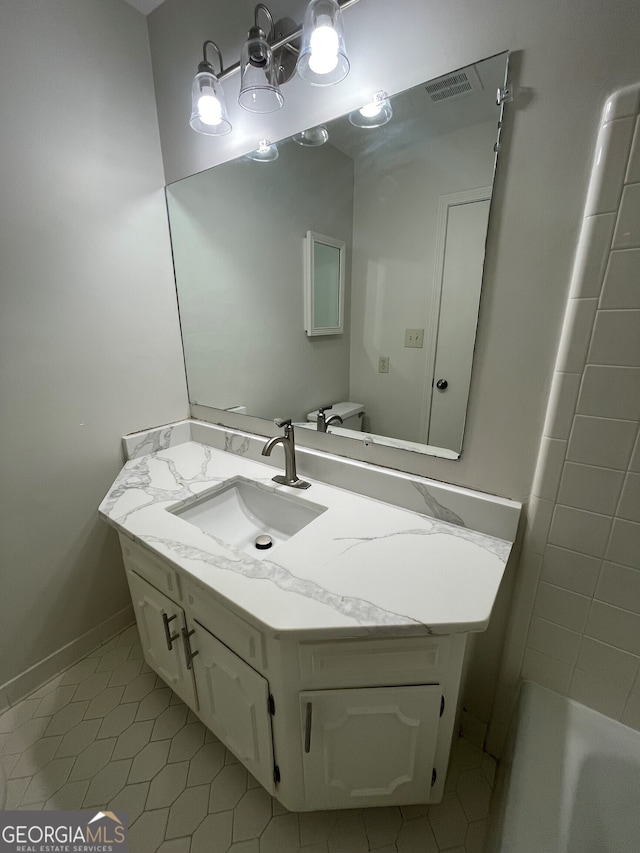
108, 733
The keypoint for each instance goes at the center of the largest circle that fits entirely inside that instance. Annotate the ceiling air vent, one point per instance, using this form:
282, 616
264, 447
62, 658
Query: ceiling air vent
454, 85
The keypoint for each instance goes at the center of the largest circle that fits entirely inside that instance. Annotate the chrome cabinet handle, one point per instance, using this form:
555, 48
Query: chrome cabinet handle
167, 631
307, 729
188, 654
442, 384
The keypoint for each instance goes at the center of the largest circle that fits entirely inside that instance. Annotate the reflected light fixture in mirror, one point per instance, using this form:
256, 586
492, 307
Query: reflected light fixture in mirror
266, 152
375, 114
313, 137
259, 89
322, 61
208, 108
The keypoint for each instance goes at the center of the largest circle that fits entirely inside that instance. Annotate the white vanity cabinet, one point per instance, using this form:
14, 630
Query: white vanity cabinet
324, 723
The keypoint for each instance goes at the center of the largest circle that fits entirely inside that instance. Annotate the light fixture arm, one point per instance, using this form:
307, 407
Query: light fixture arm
262, 8
283, 42
205, 65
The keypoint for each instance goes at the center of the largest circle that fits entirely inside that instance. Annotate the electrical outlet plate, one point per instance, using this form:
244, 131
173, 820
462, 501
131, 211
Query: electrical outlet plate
414, 338
383, 364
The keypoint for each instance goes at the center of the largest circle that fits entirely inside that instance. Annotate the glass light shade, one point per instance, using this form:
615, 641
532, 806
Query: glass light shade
374, 114
259, 89
266, 152
313, 137
323, 59
208, 108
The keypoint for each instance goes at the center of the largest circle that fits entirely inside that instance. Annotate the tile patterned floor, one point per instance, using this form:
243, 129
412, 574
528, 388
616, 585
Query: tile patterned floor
108, 733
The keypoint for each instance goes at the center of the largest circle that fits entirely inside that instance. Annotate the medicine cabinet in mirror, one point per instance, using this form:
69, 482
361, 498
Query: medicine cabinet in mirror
323, 285
389, 320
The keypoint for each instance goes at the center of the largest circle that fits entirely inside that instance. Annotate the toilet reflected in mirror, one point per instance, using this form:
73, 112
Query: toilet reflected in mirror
351, 416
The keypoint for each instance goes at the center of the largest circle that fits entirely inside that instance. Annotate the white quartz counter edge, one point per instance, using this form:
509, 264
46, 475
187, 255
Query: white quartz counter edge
363, 566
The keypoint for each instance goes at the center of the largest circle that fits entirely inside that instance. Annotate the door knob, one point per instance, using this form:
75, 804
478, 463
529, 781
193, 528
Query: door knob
442, 384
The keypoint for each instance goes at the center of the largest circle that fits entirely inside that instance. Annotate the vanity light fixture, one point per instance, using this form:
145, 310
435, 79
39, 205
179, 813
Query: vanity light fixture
259, 89
374, 114
267, 61
266, 152
312, 137
323, 59
208, 108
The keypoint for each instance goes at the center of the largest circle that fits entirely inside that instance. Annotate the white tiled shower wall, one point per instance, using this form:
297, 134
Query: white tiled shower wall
575, 625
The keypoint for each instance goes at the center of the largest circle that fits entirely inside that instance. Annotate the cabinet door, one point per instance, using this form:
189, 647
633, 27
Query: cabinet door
370, 746
153, 610
234, 703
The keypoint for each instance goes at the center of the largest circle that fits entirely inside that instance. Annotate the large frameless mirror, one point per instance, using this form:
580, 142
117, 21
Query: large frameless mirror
403, 187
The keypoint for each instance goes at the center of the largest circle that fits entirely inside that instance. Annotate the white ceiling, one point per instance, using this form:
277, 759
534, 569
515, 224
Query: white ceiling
145, 6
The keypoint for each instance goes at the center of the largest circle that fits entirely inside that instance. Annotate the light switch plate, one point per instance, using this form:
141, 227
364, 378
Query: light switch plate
414, 338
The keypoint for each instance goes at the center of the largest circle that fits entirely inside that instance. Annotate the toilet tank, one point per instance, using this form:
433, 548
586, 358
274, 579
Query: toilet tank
351, 414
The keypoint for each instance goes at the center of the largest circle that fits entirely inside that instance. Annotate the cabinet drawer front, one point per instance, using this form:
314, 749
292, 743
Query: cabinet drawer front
152, 568
231, 629
355, 663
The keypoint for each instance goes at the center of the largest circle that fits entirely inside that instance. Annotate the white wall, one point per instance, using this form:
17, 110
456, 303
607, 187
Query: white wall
568, 56
89, 338
244, 339
394, 245
575, 626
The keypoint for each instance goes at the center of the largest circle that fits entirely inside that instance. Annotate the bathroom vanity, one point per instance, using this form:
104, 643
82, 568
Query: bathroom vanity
329, 663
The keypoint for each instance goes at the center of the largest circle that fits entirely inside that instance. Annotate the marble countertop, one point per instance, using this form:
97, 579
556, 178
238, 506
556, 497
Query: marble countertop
361, 567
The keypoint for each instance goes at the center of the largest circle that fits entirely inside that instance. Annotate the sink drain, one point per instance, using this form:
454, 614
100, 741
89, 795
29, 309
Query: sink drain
263, 542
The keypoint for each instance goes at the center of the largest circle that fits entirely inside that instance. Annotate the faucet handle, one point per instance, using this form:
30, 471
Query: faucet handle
322, 409
282, 422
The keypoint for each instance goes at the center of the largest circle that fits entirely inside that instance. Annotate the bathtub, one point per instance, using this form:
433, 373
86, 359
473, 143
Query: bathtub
569, 782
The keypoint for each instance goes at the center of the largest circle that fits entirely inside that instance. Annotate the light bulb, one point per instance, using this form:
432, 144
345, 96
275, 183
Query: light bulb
266, 152
371, 110
374, 114
324, 49
209, 108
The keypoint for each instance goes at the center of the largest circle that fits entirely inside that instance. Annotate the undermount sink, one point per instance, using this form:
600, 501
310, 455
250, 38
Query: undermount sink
242, 512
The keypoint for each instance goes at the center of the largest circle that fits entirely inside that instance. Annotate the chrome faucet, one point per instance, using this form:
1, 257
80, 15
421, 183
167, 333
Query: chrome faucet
323, 421
290, 478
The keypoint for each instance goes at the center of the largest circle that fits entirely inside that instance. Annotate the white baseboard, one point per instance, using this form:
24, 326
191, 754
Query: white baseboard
31, 679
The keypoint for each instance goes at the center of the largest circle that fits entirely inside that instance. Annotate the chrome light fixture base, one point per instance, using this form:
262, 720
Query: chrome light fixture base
286, 56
